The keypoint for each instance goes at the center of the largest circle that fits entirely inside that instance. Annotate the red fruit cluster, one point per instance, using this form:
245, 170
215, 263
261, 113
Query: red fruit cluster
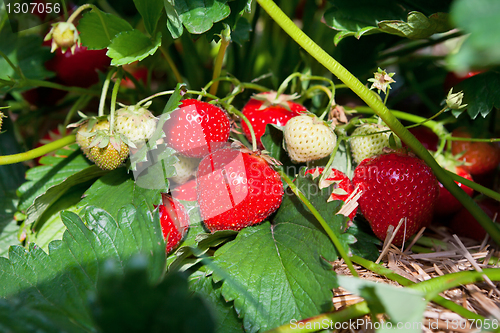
396, 186
174, 221
339, 181
480, 157
260, 113
197, 128
236, 189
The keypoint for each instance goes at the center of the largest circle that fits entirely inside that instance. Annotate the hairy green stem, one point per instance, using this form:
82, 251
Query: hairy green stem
48, 84
37, 152
104, 93
475, 186
391, 275
224, 43
326, 170
114, 94
80, 103
321, 220
237, 112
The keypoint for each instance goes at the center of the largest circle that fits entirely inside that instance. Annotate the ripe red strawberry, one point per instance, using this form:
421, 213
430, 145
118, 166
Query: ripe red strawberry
464, 224
79, 69
236, 189
395, 186
426, 136
174, 221
265, 108
446, 203
197, 128
479, 157
342, 185
186, 191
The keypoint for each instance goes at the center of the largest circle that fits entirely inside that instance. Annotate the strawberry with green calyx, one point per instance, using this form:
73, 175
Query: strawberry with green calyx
196, 128
64, 35
87, 128
135, 122
185, 168
396, 186
174, 221
369, 140
308, 138
342, 185
268, 108
237, 188
446, 203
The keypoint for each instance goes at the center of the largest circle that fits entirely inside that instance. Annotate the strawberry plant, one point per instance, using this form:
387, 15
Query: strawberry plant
185, 189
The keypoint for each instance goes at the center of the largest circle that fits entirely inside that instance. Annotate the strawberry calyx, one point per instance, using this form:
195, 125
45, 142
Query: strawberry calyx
64, 35
272, 98
264, 154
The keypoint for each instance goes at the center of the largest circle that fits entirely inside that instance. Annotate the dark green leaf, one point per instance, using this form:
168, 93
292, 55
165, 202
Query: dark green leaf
130, 46
225, 316
97, 29
241, 33
196, 16
150, 11
55, 192
117, 189
272, 140
362, 17
481, 93
174, 22
130, 303
482, 47
25, 52
11, 177
59, 282
53, 171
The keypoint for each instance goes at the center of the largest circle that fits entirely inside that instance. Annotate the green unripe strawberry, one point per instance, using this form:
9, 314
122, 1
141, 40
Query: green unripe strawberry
365, 144
109, 157
135, 122
86, 132
308, 138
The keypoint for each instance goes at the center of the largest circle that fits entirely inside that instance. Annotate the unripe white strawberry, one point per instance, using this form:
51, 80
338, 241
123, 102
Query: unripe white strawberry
308, 138
135, 122
366, 145
185, 168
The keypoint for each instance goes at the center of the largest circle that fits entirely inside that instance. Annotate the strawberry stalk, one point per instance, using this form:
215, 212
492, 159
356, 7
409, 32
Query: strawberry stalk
438, 299
80, 103
321, 220
475, 186
104, 93
114, 94
37, 152
225, 39
328, 166
381, 110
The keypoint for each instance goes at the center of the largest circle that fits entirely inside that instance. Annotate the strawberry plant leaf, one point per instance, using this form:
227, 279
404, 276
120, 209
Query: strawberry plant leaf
11, 177
97, 34
151, 11
26, 53
130, 46
481, 49
50, 226
53, 171
227, 320
272, 140
103, 193
55, 192
197, 17
164, 307
293, 269
403, 305
481, 93
58, 282
367, 17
